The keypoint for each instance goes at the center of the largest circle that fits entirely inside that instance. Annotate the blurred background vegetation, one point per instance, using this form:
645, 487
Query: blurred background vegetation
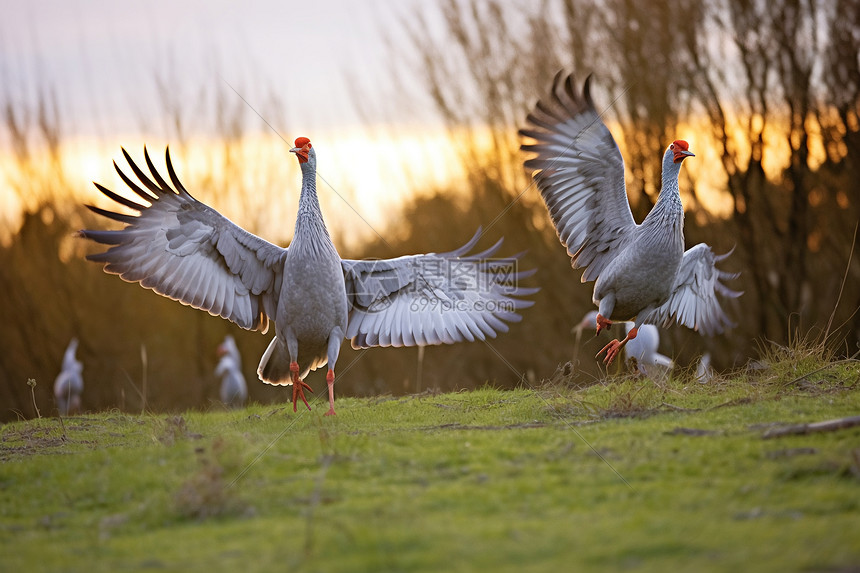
768, 94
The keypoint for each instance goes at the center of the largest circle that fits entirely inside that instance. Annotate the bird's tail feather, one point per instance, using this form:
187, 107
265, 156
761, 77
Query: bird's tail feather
274, 366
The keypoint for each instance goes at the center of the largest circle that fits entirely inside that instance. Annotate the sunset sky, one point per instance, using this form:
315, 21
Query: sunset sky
326, 64
100, 55
117, 70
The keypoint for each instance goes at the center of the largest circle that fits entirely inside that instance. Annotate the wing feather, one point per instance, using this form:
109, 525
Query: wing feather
119, 198
694, 301
579, 171
434, 298
187, 251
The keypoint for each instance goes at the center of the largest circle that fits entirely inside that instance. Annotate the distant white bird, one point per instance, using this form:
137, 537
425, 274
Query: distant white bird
642, 347
69, 383
185, 250
641, 271
234, 391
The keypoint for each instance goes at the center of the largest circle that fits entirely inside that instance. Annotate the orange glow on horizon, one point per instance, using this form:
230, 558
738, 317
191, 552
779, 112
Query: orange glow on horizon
362, 179
255, 182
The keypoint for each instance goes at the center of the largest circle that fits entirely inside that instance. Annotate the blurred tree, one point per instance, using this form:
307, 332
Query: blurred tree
776, 81
778, 90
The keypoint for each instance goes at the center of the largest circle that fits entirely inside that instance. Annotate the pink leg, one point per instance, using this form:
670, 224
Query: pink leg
602, 323
613, 348
299, 386
329, 378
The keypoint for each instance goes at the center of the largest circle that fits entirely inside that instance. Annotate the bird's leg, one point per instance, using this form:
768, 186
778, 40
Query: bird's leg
602, 323
335, 337
329, 378
613, 348
298, 386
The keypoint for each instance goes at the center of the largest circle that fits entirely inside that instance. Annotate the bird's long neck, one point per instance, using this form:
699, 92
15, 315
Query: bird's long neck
668, 213
311, 232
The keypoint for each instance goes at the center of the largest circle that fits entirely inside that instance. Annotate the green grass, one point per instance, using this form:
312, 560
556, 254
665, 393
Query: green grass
625, 474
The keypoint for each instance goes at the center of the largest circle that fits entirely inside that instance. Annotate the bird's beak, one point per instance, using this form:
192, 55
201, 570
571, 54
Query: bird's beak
680, 154
301, 153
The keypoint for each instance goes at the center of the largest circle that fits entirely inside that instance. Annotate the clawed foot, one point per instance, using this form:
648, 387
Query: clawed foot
602, 323
612, 349
299, 387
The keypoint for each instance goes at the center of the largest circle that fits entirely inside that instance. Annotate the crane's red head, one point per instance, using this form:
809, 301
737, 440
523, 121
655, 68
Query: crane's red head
680, 149
303, 146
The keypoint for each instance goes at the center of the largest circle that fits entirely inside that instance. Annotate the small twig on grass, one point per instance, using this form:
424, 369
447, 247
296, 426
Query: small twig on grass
842, 287
827, 426
133, 385
681, 431
679, 408
735, 402
31, 382
62, 426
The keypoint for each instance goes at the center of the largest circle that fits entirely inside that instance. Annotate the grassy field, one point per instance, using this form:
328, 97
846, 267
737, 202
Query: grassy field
627, 474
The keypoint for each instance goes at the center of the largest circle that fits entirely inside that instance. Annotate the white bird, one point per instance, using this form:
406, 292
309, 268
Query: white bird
185, 250
234, 391
642, 271
704, 371
642, 347
69, 384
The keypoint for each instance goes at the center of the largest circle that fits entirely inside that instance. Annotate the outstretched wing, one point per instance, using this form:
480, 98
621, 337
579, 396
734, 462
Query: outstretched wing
693, 301
580, 173
185, 250
434, 298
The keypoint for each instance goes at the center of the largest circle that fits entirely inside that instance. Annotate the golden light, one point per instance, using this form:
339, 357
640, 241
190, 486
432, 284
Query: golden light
365, 175
362, 179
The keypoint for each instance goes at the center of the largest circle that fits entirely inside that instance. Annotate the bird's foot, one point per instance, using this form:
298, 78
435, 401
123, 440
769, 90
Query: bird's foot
299, 387
602, 323
329, 378
612, 349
